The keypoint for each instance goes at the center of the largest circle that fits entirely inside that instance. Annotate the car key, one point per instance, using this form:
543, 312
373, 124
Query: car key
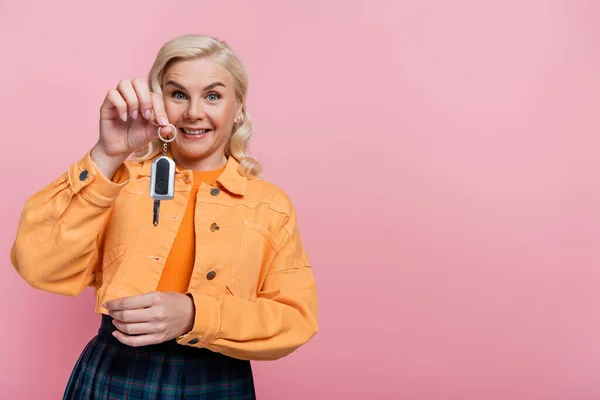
162, 177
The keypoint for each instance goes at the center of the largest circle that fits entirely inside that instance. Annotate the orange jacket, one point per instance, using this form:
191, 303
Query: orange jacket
252, 284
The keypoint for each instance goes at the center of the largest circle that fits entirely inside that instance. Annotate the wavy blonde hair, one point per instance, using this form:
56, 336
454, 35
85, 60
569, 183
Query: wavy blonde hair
193, 47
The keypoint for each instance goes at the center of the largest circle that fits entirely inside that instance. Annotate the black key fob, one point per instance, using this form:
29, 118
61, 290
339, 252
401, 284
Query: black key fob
162, 178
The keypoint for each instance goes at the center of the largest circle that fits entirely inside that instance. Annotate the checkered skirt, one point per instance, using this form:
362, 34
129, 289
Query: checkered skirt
110, 370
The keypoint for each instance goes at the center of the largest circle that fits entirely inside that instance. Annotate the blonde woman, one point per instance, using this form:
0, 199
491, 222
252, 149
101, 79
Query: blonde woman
220, 280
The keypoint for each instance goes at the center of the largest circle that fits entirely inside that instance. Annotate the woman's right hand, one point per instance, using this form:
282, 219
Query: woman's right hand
129, 119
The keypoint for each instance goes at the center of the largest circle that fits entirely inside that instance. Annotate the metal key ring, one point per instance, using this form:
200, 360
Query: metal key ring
168, 140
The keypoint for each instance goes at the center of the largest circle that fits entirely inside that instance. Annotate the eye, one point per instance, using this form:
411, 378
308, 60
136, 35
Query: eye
213, 96
179, 95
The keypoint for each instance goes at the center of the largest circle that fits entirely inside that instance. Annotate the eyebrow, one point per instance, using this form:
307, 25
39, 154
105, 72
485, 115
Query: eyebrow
209, 87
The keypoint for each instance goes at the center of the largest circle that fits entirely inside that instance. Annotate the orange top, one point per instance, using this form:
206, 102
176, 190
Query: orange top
180, 262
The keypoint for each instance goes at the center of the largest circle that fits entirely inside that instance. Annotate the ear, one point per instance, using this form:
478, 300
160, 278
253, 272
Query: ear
239, 112
240, 108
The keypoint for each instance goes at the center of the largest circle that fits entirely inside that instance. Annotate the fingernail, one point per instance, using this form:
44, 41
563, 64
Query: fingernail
134, 114
164, 121
114, 333
104, 305
124, 116
147, 114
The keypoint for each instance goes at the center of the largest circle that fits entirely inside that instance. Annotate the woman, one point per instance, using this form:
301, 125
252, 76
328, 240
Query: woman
221, 279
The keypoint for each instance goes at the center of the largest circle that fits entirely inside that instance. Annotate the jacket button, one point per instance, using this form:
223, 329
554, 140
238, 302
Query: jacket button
83, 175
211, 275
215, 191
194, 341
214, 227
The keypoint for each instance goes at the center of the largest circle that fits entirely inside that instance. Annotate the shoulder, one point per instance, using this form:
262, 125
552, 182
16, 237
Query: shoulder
281, 219
128, 171
132, 168
262, 191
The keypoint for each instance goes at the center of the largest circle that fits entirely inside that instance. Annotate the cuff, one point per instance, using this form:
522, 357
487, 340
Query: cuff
85, 176
206, 322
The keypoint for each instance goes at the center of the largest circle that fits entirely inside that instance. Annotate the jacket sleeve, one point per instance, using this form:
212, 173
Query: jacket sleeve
280, 320
56, 245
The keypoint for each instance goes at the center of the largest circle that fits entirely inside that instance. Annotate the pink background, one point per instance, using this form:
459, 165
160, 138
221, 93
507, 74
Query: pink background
443, 158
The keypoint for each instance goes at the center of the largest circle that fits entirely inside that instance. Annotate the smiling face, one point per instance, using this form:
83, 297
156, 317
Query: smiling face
199, 97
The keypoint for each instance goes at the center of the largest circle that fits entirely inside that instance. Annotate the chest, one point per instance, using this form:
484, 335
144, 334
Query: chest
234, 240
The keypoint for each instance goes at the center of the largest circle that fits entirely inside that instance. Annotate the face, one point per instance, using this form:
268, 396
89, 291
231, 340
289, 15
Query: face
199, 97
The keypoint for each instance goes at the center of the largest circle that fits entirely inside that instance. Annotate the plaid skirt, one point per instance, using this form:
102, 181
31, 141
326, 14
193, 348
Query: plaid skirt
110, 370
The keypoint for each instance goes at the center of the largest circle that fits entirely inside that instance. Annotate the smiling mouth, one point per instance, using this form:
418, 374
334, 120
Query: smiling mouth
193, 132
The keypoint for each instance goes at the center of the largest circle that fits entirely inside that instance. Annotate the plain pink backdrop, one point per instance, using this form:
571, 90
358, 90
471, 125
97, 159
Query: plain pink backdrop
442, 157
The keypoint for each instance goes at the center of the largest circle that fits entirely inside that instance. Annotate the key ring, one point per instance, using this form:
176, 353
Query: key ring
174, 134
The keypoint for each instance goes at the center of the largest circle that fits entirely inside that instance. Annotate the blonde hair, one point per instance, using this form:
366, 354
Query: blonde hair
193, 47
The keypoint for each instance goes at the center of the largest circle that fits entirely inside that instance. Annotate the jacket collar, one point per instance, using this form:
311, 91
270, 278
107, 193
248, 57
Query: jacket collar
230, 178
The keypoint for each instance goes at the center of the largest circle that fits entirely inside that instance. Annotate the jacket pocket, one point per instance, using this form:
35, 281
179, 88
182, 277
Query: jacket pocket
257, 250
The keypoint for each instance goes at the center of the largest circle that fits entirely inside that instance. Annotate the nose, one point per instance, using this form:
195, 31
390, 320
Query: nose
194, 111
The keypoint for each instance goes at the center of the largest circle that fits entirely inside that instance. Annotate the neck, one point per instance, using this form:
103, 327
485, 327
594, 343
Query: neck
210, 163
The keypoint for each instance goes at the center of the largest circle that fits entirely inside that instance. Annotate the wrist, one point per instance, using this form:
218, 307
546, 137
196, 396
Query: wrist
106, 164
192, 315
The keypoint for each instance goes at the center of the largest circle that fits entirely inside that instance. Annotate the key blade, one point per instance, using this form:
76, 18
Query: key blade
156, 211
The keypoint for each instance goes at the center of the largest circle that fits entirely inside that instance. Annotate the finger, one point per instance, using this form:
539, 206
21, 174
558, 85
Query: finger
113, 102
139, 328
160, 115
126, 90
131, 316
133, 302
143, 94
137, 341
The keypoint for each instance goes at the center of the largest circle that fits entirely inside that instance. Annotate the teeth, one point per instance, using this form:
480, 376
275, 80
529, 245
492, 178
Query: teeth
194, 131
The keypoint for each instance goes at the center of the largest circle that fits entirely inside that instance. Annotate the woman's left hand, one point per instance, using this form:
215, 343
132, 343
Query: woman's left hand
151, 318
